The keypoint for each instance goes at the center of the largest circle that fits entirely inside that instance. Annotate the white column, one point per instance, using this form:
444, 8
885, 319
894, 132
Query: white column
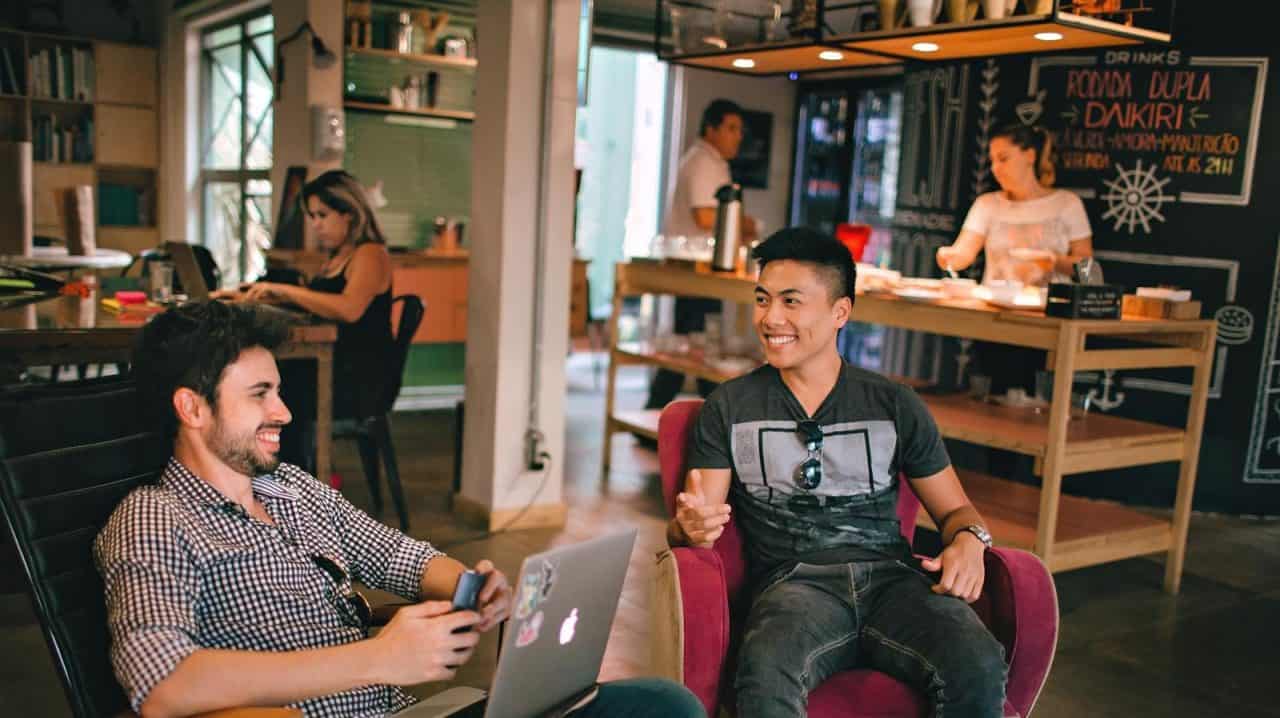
305, 85
522, 158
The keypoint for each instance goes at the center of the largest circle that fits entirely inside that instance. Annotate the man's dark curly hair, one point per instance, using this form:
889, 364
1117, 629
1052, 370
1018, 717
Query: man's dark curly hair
191, 346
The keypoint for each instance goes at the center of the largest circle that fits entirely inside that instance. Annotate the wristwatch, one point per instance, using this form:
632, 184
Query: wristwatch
983, 535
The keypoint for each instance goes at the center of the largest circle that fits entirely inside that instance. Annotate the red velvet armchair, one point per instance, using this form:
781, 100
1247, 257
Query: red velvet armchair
1018, 604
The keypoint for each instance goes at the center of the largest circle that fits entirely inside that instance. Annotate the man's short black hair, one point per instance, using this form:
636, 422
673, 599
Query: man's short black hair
715, 113
802, 244
191, 346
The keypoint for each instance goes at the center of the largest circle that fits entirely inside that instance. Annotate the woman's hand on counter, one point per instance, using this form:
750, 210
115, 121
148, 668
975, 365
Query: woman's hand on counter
261, 292
949, 258
267, 292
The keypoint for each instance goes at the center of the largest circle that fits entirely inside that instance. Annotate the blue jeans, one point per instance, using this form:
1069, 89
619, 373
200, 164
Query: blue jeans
642, 698
818, 620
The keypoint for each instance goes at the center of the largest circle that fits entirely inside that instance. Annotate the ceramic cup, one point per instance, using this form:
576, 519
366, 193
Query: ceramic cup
996, 9
923, 12
889, 11
962, 10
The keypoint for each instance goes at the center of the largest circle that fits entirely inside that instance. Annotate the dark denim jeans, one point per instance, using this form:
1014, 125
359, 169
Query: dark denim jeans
642, 698
882, 615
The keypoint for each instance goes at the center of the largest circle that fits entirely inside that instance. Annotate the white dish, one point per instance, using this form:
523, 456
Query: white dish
1028, 298
916, 294
960, 288
921, 283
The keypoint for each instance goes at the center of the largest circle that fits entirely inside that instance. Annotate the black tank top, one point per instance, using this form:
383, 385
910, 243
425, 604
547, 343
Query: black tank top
362, 357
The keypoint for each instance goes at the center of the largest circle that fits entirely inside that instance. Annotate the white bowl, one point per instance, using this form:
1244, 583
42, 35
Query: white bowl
959, 287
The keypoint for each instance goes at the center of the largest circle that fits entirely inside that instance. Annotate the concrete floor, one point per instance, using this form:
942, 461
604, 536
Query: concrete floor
1126, 648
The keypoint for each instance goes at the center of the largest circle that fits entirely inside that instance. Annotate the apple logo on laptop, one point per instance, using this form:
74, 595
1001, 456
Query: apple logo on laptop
567, 628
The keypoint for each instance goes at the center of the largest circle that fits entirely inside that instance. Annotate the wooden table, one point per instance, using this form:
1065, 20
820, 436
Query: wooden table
1065, 531
74, 330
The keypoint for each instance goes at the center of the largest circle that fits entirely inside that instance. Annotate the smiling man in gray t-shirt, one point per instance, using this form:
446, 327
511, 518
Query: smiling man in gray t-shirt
810, 453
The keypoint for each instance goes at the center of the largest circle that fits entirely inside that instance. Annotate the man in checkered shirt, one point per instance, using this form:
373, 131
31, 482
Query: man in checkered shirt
229, 581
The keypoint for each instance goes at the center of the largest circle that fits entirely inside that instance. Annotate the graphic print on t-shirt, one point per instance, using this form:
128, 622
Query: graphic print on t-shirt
855, 456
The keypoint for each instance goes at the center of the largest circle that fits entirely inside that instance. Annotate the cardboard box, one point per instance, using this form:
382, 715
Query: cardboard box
1156, 308
1084, 301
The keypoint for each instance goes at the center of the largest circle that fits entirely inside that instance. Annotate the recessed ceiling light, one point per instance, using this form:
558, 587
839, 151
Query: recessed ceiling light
1048, 36
926, 47
832, 55
745, 63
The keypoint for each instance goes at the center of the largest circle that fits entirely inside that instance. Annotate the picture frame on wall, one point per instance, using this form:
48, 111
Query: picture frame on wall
751, 167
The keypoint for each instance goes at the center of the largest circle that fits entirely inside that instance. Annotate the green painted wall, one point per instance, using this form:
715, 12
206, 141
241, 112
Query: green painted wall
435, 365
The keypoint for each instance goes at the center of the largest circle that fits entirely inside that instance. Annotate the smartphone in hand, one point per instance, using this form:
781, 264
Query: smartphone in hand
466, 595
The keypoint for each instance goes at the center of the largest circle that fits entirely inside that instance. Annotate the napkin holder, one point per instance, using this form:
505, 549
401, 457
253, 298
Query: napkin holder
1084, 301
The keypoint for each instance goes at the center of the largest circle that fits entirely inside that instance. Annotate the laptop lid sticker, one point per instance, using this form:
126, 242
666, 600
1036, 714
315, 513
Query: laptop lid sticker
529, 630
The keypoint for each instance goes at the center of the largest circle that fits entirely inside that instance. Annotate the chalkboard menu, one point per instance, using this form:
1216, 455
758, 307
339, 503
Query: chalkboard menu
1162, 144
1144, 129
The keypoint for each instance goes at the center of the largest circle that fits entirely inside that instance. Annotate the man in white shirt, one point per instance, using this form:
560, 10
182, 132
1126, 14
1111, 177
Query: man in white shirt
704, 168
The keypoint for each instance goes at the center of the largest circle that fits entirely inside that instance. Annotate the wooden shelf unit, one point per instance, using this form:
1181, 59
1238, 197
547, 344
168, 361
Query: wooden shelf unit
123, 106
1066, 531
463, 115
465, 63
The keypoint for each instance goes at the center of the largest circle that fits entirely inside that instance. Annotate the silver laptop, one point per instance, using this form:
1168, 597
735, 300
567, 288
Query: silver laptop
188, 270
564, 605
193, 284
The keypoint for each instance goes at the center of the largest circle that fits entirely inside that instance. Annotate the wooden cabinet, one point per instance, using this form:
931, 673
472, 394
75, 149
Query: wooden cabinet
125, 74
49, 184
1065, 531
89, 108
443, 289
125, 136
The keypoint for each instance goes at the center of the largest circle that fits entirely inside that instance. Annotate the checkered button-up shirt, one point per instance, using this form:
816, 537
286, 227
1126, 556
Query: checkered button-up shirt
186, 569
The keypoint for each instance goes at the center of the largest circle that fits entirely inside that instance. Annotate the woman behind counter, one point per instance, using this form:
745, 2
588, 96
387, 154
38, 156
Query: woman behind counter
354, 288
1025, 215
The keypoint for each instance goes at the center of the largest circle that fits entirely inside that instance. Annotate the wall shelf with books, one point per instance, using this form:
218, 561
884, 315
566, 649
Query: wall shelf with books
89, 108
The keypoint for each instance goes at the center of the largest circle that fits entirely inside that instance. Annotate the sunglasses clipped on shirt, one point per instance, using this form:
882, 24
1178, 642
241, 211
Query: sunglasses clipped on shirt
356, 600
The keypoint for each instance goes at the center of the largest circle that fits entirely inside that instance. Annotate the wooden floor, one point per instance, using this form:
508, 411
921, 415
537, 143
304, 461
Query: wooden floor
1126, 648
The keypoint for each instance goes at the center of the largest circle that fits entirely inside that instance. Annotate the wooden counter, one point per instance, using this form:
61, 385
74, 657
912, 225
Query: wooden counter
1090, 532
440, 279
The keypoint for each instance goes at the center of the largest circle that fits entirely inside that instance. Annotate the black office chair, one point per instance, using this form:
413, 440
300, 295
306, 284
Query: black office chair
68, 454
373, 433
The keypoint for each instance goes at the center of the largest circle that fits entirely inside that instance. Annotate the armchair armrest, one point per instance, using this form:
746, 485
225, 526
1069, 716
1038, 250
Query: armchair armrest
1019, 604
238, 713
705, 604
253, 713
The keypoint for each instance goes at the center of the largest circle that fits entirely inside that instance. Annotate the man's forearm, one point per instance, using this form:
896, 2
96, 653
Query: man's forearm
210, 679
440, 578
966, 515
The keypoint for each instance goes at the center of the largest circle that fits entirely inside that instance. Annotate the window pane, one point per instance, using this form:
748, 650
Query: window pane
223, 109
224, 36
222, 228
258, 105
257, 210
261, 24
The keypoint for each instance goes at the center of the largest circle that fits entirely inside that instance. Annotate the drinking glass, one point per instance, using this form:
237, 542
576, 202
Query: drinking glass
161, 274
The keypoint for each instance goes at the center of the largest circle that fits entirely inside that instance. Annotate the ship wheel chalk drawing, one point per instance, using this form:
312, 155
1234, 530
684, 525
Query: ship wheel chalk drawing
1135, 197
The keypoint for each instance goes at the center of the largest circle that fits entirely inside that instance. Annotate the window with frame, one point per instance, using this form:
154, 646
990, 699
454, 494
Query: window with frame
236, 123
